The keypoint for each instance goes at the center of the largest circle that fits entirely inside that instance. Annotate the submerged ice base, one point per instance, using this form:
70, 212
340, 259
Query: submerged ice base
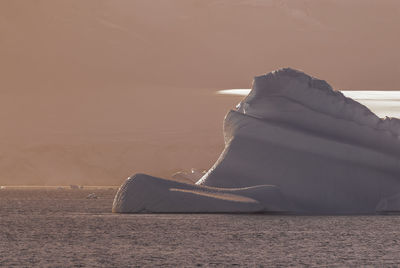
309, 148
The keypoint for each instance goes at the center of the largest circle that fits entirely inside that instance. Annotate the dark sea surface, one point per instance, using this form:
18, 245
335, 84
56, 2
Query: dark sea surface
59, 228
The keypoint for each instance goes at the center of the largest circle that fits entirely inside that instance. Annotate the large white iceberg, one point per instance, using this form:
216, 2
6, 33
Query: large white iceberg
292, 145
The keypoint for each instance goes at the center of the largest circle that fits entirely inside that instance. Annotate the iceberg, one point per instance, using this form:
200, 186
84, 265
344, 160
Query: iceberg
142, 193
292, 145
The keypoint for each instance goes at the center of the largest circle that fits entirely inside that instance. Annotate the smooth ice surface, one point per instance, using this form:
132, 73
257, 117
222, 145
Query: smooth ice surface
143, 193
323, 152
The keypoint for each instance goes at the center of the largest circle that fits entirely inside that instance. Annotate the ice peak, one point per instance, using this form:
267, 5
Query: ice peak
288, 77
292, 96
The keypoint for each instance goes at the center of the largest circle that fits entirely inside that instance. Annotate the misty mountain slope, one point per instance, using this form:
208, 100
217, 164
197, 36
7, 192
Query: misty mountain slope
73, 69
101, 163
123, 42
100, 138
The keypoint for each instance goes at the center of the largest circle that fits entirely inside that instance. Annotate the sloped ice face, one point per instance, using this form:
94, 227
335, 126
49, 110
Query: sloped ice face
326, 153
292, 97
146, 194
292, 145
291, 91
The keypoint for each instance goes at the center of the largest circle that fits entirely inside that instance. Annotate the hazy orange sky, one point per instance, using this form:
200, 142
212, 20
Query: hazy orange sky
92, 91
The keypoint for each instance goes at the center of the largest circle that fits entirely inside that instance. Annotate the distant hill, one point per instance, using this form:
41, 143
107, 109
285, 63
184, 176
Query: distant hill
75, 74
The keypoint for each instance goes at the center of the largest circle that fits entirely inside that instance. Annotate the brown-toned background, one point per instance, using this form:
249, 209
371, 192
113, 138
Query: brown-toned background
93, 91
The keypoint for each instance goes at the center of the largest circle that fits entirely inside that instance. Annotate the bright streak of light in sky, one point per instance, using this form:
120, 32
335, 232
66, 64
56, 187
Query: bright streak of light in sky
382, 103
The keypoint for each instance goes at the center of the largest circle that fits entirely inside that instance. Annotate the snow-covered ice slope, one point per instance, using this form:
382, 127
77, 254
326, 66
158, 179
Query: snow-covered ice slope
142, 193
292, 145
327, 153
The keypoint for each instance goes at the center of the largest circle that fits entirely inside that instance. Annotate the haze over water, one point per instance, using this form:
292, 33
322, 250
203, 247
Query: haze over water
94, 91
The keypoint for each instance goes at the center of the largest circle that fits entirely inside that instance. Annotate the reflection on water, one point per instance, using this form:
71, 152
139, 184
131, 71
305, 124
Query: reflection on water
382, 103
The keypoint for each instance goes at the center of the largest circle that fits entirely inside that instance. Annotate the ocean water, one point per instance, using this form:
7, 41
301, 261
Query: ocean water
382, 103
47, 227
